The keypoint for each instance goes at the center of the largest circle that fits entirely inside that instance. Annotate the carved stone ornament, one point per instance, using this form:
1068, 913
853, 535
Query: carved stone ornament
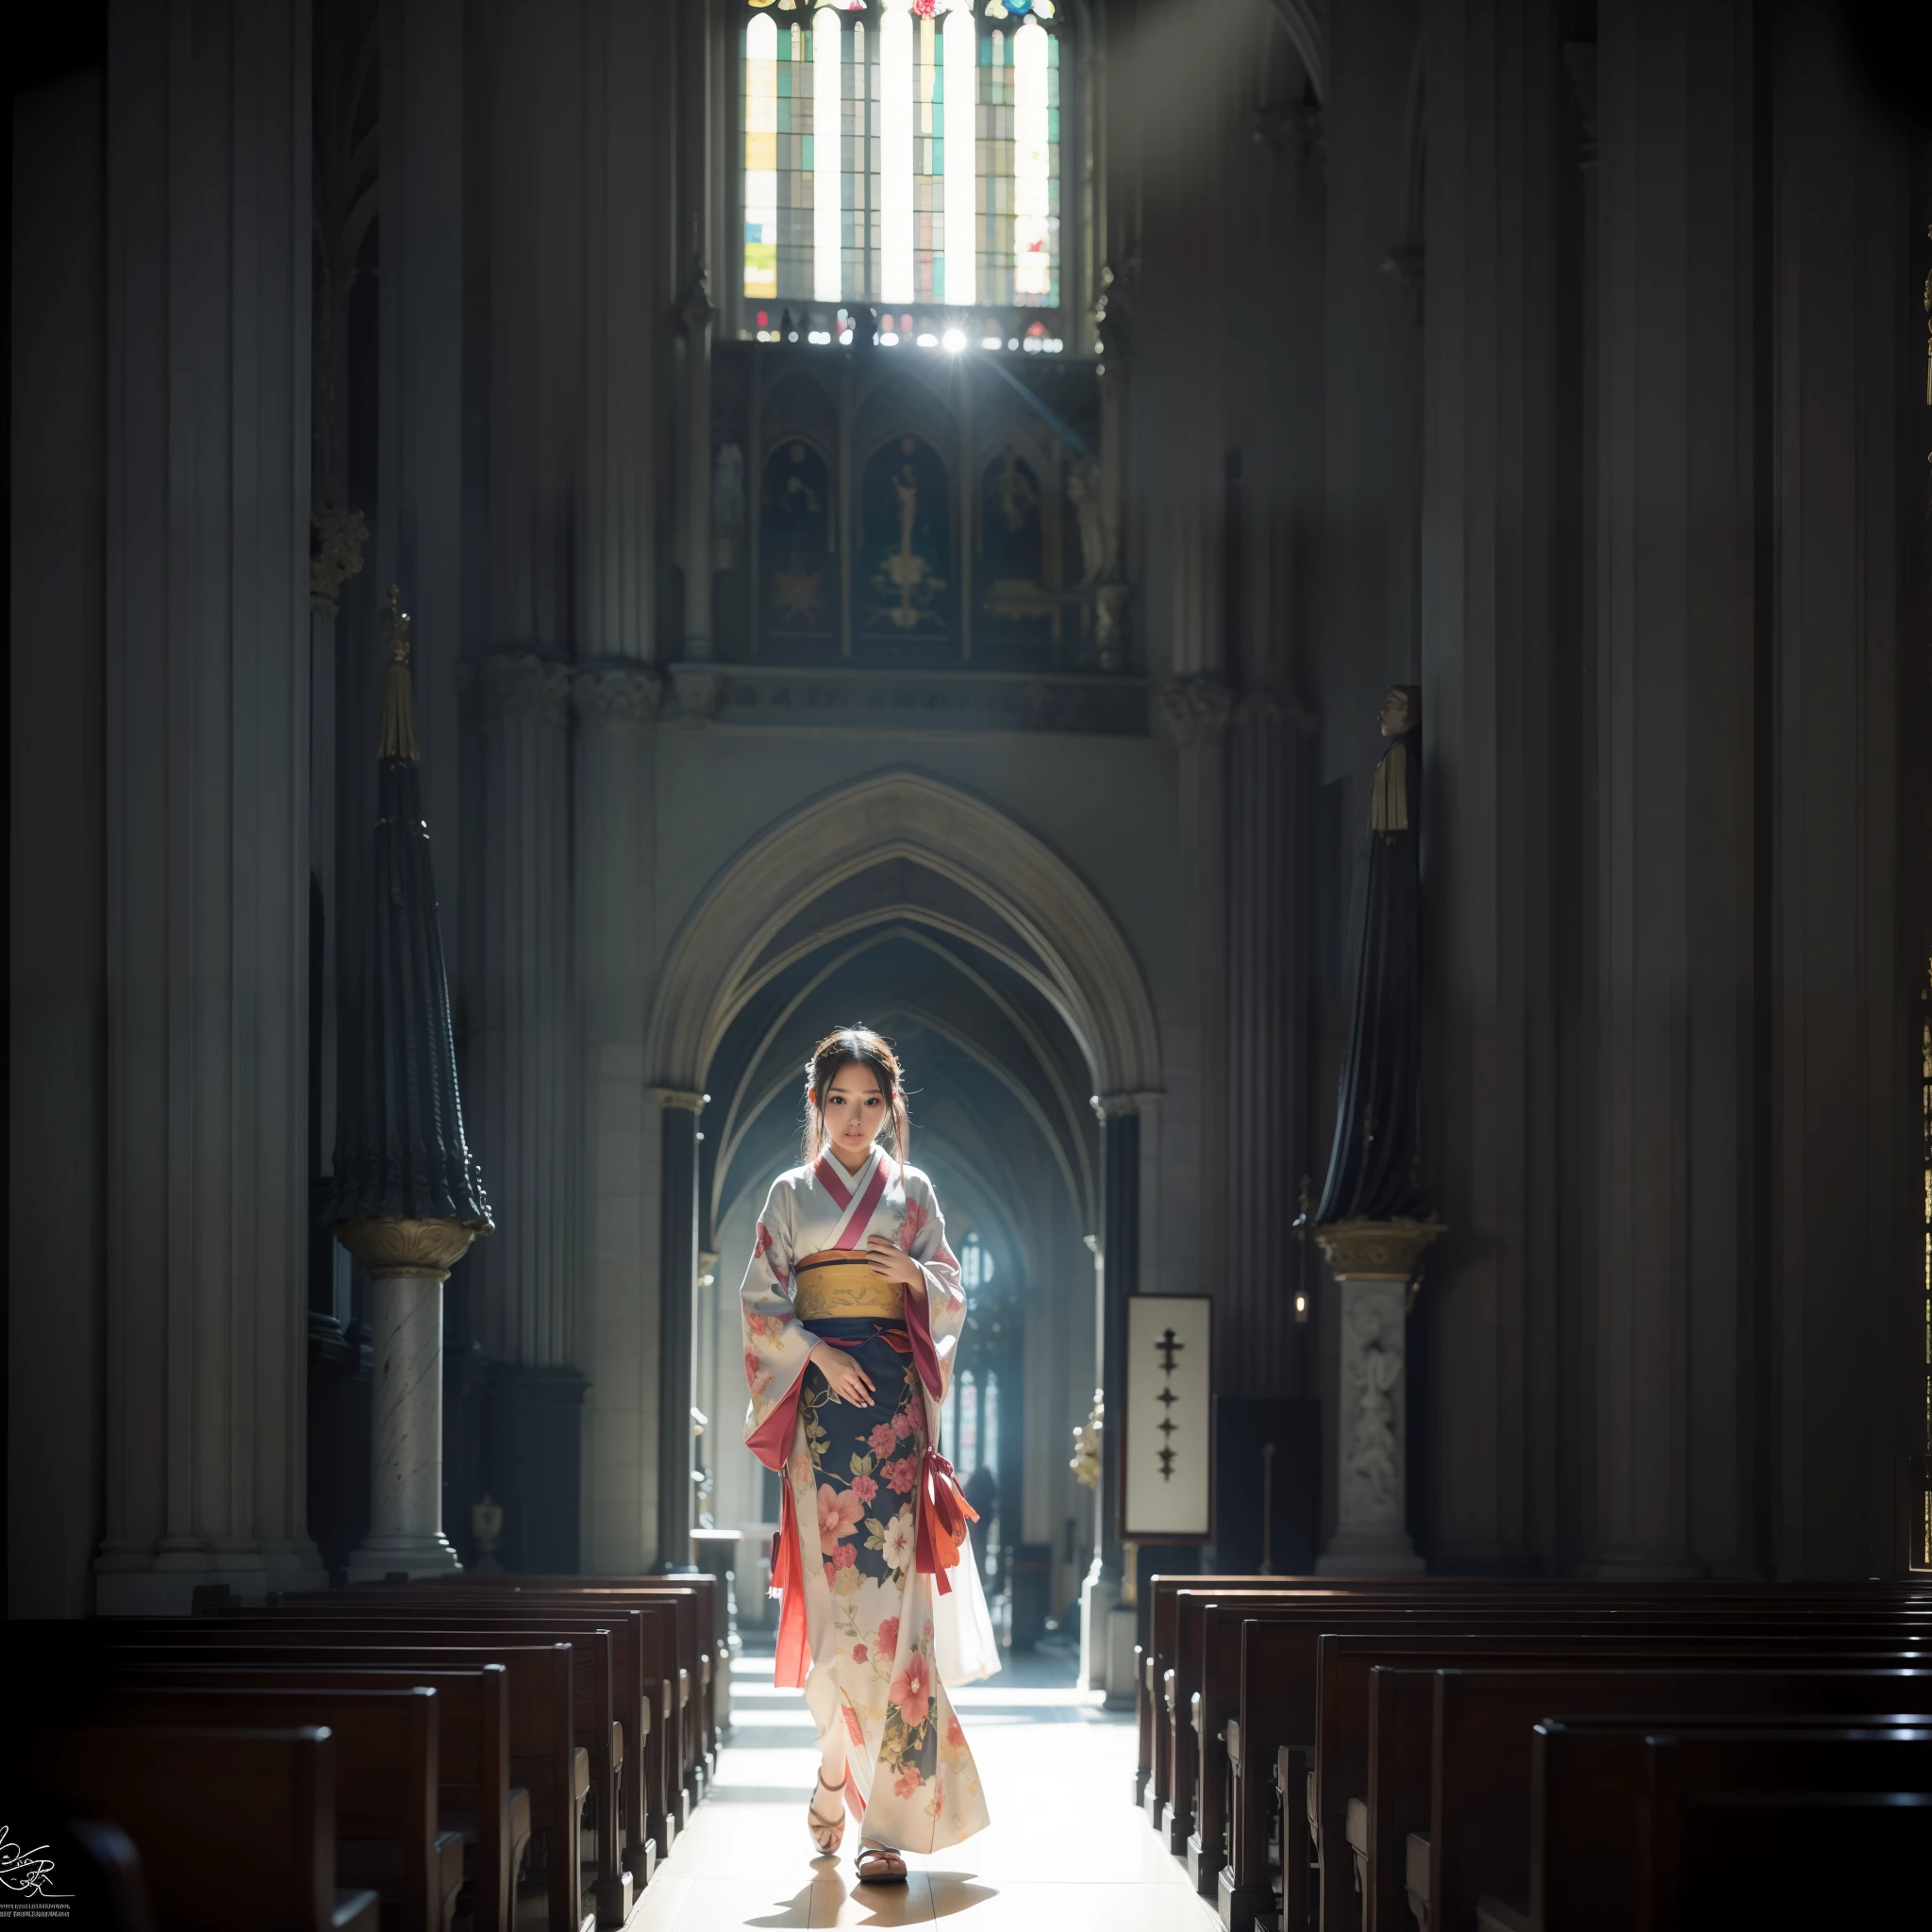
1377, 1250
1197, 711
335, 555
522, 684
700, 692
403, 1250
619, 693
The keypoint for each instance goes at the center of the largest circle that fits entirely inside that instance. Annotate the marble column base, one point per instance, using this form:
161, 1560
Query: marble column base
406, 1433
1099, 1598
1370, 1536
1118, 1679
1383, 1552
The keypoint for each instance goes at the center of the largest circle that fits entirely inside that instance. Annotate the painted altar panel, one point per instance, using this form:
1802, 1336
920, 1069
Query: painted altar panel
798, 552
903, 588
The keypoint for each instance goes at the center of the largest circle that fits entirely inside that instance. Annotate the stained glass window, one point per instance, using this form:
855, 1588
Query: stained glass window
902, 151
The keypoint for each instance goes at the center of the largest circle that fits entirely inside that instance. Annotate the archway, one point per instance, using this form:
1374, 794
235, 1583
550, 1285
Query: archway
914, 906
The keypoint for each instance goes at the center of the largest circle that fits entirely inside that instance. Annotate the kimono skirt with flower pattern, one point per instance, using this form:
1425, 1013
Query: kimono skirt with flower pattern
862, 1628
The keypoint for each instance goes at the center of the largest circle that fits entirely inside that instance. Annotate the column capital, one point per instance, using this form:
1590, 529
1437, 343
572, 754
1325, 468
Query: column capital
519, 683
618, 691
1140, 1099
395, 1249
679, 1099
1197, 709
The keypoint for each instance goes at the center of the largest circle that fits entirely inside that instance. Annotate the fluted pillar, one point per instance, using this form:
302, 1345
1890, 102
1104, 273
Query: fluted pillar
617, 704
1266, 974
1675, 771
206, 373
1489, 635
677, 1263
521, 1036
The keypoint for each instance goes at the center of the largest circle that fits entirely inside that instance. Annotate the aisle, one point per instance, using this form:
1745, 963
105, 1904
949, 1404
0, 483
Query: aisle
1067, 1851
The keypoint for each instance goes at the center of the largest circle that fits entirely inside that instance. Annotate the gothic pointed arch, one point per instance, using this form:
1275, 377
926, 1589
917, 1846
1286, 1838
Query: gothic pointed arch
1038, 912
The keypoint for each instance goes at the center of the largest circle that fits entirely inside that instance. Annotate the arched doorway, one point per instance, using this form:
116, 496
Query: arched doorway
916, 908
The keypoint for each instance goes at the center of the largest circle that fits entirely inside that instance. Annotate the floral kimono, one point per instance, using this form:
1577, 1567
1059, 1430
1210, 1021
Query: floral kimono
883, 1601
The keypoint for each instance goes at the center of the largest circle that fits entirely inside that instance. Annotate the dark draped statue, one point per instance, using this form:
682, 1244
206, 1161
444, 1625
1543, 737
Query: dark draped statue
401, 1154
1374, 1168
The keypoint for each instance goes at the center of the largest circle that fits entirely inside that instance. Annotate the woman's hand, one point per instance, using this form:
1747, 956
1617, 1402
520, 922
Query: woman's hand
849, 1382
890, 1260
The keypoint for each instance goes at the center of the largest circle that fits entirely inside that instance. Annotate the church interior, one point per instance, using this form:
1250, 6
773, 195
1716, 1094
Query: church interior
1320, 609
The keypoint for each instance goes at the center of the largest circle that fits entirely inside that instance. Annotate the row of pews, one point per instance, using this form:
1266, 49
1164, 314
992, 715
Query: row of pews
492, 1752
1465, 1756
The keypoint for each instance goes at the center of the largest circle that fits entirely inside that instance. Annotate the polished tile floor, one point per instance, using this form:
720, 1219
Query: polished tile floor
1067, 1851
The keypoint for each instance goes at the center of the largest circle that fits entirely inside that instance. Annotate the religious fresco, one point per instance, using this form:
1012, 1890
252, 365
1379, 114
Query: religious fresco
903, 562
798, 555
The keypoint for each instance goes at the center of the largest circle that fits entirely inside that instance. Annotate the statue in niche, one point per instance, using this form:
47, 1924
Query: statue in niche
1012, 551
904, 502
1093, 520
1374, 1165
795, 537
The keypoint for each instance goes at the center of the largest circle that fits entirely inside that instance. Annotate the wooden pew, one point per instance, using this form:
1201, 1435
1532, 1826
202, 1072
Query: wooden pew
387, 1837
545, 1758
236, 1830
702, 1650
1482, 1748
687, 1665
392, 1616
1783, 1832
1160, 1656
636, 1638
655, 1795
476, 1798
1278, 1679
1340, 1802
1589, 1787
1181, 1710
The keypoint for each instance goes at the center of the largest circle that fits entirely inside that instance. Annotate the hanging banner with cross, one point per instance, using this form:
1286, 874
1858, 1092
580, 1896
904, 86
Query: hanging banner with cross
1167, 1490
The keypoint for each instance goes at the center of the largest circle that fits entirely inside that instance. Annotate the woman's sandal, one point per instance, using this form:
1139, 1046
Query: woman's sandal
827, 1835
878, 1865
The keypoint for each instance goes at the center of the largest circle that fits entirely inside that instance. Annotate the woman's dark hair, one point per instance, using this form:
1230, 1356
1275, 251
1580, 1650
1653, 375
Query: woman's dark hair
853, 1046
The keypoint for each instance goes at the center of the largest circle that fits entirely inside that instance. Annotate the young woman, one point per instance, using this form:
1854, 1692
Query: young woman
852, 1311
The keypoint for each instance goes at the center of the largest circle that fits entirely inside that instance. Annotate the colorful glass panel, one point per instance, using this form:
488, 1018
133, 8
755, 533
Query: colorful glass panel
907, 157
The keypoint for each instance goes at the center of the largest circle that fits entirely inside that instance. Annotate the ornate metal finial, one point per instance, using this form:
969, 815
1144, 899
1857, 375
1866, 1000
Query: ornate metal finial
395, 628
395, 736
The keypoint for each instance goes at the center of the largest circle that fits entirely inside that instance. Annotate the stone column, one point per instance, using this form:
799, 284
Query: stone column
407, 1261
677, 1289
207, 752
520, 1043
1375, 1264
1266, 970
617, 704
695, 316
1489, 637
523, 1068
1107, 1610
1676, 720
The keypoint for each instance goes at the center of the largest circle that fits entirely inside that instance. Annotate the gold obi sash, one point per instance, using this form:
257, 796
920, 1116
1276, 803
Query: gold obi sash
836, 1285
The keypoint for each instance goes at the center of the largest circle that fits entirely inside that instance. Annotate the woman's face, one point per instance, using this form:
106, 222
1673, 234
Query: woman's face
855, 1111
